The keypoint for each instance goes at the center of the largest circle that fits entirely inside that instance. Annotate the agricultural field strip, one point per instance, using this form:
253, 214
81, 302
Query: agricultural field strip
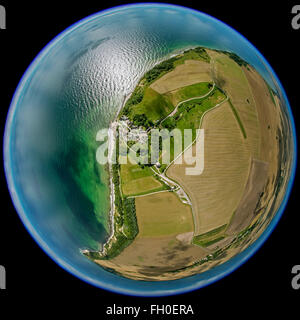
254, 187
148, 194
136, 181
172, 80
236, 96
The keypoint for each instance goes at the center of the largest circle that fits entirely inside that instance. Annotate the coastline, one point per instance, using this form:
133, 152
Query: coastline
111, 219
109, 169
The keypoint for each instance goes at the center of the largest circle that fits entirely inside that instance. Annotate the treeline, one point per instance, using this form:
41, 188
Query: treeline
142, 120
136, 97
241, 62
125, 208
130, 226
169, 123
163, 67
169, 65
116, 247
201, 52
126, 227
236, 58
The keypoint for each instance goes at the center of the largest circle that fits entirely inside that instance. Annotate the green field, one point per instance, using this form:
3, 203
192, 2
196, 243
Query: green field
152, 108
187, 92
193, 54
210, 237
189, 113
136, 180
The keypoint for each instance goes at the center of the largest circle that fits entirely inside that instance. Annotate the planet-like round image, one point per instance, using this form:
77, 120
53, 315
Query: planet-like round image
150, 149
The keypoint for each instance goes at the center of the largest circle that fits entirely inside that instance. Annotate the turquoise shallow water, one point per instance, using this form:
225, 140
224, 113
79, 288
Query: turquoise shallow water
73, 89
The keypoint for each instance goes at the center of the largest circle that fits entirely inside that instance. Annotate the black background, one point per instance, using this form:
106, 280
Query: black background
33, 279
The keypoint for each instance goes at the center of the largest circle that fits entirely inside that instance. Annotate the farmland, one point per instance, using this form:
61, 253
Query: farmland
190, 112
186, 224
247, 208
187, 92
177, 217
226, 159
191, 72
136, 180
157, 250
153, 105
230, 77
